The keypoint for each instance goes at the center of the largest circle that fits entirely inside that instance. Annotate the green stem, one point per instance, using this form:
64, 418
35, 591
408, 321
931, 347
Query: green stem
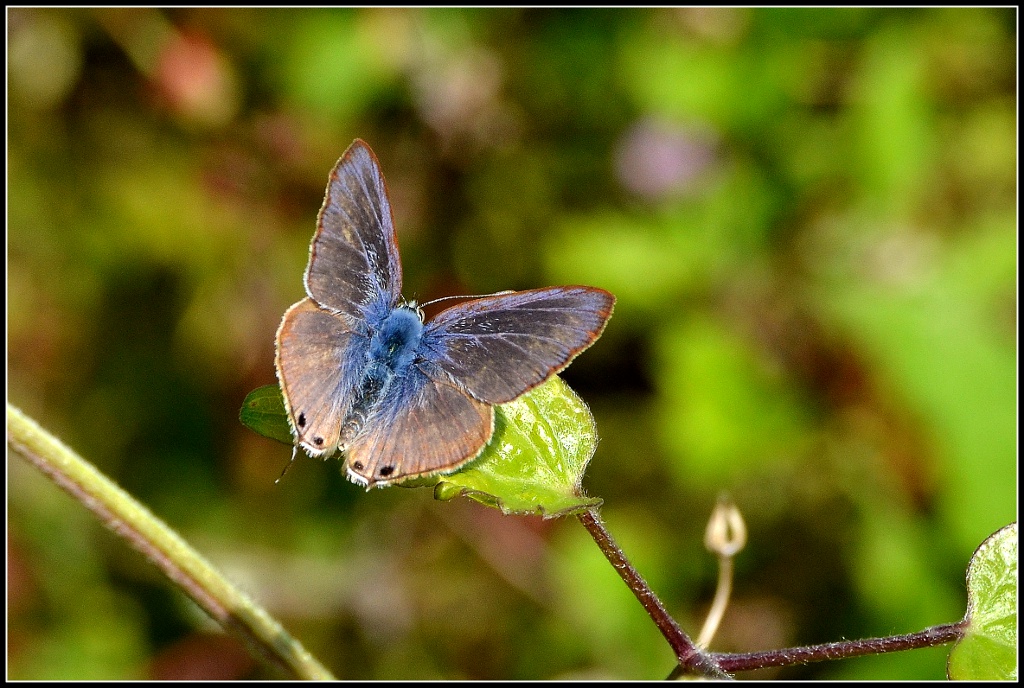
161, 545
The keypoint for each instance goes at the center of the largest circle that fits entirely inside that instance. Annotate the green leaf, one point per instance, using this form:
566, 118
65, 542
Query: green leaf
263, 412
533, 463
988, 650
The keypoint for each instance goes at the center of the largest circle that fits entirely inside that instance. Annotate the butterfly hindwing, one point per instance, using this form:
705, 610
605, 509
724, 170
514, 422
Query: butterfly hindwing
318, 362
423, 425
498, 347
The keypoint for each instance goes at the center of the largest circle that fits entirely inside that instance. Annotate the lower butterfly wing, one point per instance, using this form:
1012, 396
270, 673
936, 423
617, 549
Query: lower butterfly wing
503, 345
421, 426
318, 365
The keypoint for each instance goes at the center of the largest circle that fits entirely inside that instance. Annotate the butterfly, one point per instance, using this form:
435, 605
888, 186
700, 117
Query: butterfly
362, 373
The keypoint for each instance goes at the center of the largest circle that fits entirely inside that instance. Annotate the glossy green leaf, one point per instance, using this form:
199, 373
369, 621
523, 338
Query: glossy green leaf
263, 412
533, 464
535, 461
988, 650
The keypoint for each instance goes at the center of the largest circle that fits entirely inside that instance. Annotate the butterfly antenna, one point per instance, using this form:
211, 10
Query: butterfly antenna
468, 296
295, 448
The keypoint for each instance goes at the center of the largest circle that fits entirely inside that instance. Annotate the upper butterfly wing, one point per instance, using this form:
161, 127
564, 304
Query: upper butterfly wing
422, 425
319, 362
354, 266
500, 346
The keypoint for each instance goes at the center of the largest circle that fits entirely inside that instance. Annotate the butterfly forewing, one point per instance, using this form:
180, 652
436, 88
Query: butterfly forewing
500, 346
424, 425
354, 266
319, 359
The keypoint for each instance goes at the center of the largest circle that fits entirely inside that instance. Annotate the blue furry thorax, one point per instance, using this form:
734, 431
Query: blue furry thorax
395, 342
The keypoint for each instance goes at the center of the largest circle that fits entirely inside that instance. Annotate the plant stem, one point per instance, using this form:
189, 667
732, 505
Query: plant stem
691, 658
936, 635
725, 536
161, 545
721, 601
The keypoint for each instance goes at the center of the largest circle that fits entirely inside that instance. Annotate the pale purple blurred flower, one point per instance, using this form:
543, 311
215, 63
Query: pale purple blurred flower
656, 159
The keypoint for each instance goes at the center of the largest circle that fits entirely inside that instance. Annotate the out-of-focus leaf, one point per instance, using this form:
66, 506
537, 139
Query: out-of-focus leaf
945, 313
988, 651
333, 62
726, 411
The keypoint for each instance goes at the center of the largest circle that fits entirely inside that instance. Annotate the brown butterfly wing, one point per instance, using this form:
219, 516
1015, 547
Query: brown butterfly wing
424, 426
318, 359
354, 267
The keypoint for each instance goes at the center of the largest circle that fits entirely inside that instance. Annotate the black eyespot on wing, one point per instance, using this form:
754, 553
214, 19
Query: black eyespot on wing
385, 471
357, 465
302, 420
318, 441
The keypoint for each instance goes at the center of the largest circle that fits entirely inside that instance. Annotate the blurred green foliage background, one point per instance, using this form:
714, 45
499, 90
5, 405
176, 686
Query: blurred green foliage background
808, 217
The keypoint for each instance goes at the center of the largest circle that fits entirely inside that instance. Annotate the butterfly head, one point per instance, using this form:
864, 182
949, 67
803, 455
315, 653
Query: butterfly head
413, 306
